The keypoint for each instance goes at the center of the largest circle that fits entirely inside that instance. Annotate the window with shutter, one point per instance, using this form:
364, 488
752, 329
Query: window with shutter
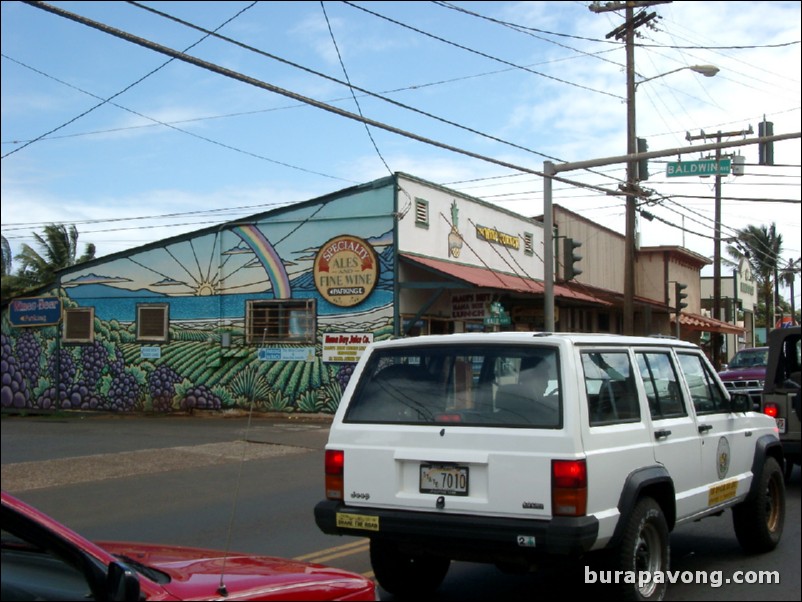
152, 322
79, 325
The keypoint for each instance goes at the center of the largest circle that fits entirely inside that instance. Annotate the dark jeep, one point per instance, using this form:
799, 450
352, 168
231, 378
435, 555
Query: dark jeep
781, 392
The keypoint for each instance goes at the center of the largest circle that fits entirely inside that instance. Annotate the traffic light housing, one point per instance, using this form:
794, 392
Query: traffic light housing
765, 149
643, 164
570, 258
679, 296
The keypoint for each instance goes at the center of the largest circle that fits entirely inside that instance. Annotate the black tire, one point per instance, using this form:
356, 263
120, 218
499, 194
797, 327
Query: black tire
759, 521
788, 469
404, 574
644, 547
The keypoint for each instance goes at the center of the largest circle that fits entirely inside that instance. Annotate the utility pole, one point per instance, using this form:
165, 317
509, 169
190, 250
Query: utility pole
715, 337
627, 32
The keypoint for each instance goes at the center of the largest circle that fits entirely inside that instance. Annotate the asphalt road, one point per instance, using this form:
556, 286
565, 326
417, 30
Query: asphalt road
249, 484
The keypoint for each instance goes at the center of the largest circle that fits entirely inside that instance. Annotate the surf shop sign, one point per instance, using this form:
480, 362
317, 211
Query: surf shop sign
346, 270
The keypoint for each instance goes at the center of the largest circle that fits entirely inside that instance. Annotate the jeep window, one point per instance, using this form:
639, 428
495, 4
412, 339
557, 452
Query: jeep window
662, 385
707, 397
610, 386
460, 386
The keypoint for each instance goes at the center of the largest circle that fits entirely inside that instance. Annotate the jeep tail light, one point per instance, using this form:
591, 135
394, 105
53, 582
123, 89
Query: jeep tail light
771, 409
569, 487
335, 464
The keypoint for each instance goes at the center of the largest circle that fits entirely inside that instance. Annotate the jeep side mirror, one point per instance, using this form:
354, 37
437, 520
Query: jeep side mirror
740, 402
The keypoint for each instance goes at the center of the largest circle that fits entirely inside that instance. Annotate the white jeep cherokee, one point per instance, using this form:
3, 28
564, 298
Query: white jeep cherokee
520, 448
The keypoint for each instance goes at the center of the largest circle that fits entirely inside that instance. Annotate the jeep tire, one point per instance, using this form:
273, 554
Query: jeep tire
759, 520
644, 547
404, 574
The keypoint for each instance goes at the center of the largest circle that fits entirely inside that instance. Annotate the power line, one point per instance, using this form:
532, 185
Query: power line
485, 55
141, 79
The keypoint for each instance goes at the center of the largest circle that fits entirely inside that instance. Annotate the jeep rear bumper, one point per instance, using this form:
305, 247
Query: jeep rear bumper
462, 537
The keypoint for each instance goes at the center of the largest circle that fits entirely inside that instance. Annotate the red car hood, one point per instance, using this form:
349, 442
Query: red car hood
195, 574
756, 373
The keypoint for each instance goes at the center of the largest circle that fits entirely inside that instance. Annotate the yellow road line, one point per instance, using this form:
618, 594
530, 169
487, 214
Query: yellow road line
354, 547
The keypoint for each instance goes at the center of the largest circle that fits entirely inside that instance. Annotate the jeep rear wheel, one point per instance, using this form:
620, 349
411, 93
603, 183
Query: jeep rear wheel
404, 574
644, 548
759, 520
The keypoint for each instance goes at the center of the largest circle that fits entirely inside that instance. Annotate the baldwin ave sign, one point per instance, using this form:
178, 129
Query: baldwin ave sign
705, 167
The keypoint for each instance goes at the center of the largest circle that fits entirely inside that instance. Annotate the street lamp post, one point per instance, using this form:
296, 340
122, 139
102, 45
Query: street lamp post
632, 175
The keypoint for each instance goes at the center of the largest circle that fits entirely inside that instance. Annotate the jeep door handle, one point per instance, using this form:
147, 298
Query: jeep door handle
703, 428
662, 434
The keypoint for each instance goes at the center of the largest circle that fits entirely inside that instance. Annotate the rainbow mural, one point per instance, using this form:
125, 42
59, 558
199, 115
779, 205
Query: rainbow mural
269, 259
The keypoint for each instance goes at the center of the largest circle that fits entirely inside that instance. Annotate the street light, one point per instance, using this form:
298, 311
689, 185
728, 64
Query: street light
706, 70
632, 178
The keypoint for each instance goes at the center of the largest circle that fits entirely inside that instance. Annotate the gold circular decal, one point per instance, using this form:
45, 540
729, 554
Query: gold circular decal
723, 457
346, 270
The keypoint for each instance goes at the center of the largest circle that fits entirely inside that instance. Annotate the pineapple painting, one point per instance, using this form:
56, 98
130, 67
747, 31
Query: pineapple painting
454, 237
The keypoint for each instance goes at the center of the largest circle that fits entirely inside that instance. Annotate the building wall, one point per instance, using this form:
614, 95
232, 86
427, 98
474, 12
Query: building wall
602, 251
467, 231
206, 279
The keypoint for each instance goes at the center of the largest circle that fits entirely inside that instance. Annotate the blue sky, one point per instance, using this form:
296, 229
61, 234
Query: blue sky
178, 147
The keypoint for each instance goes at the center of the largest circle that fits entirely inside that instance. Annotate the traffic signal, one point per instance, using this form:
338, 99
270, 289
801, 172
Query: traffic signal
679, 296
570, 258
643, 164
765, 150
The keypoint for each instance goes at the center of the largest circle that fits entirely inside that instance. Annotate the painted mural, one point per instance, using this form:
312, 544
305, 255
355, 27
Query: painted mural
207, 279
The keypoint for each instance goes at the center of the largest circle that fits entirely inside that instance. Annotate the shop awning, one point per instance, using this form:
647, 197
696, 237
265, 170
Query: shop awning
704, 324
485, 278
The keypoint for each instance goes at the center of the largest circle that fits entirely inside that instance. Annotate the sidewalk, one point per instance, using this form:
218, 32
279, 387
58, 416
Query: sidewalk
67, 448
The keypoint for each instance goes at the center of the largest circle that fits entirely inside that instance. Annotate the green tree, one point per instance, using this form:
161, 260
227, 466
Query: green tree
761, 246
58, 249
10, 283
6, 257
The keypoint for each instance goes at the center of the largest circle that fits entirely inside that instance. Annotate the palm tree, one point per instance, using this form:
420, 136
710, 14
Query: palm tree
10, 284
761, 246
58, 249
6, 257
788, 278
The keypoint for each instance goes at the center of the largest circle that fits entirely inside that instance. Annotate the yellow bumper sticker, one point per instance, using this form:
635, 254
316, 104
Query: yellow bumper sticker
357, 521
722, 492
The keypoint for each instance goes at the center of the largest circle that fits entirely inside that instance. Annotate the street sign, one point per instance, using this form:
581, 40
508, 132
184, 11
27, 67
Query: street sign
705, 167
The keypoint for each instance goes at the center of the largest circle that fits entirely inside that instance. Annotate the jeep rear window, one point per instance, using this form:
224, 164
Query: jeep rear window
460, 385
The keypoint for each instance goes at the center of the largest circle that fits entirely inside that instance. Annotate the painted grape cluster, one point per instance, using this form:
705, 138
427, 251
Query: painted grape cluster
161, 385
344, 374
200, 398
13, 393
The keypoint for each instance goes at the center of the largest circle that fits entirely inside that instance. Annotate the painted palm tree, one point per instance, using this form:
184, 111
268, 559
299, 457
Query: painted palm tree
761, 246
58, 249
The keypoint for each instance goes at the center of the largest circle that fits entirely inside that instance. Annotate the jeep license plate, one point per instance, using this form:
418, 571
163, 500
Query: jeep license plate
444, 479
781, 425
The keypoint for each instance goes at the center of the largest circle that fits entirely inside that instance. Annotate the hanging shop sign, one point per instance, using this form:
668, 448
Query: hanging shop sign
346, 270
35, 311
